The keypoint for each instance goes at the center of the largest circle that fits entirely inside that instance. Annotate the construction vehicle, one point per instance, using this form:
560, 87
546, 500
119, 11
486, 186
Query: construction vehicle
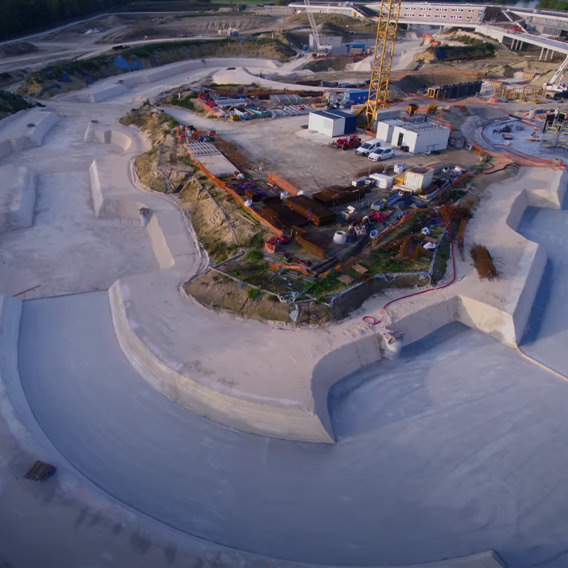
320, 49
554, 89
387, 25
347, 142
431, 41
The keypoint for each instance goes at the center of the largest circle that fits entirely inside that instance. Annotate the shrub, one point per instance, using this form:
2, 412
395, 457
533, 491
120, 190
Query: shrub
254, 294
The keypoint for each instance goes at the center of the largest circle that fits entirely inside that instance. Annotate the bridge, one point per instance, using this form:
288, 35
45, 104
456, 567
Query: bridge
483, 18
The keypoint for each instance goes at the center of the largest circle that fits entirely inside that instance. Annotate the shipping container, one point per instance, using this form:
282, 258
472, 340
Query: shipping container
313, 211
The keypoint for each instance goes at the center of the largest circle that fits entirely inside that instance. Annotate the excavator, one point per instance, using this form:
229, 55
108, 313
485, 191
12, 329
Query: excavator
432, 41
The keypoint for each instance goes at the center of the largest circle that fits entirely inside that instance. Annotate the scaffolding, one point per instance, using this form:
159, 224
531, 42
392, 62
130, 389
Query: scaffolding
521, 93
382, 59
555, 131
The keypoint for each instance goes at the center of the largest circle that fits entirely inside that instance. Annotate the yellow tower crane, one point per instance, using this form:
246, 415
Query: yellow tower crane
382, 59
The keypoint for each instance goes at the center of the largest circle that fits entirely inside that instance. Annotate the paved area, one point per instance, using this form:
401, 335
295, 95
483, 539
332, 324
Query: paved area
67, 250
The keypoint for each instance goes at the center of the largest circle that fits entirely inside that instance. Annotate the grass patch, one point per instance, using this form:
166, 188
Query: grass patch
441, 263
11, 103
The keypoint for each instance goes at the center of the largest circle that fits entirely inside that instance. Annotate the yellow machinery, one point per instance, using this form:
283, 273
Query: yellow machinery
382, 59
521, 94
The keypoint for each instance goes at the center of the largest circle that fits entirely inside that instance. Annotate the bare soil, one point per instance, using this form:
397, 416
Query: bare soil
189, 26
218, 292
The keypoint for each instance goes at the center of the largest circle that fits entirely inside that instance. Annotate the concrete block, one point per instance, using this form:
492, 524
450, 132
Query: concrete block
17, 198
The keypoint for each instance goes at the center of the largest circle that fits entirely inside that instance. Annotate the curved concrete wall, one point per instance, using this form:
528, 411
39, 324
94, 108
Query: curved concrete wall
10, 316
265, 419
109, 136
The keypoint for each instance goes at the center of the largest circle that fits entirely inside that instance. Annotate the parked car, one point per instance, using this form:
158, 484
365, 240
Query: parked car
381, 154
367, 147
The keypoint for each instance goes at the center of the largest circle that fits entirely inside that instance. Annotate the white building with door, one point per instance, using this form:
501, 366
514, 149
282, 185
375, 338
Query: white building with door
416, 137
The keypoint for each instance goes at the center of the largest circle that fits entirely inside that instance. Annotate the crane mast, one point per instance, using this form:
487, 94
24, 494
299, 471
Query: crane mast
320, 49
554, 83
382, 59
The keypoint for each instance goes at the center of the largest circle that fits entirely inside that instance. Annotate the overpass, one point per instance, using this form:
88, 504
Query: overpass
479, 17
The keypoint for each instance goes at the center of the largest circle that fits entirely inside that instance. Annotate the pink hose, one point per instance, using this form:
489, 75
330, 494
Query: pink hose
372, 320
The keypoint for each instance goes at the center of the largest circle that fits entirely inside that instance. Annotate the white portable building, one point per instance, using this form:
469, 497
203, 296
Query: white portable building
420, 137
385, 129
332, 123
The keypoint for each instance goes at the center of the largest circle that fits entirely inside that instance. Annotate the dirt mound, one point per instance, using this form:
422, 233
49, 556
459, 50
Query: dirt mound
329, 64
186, 27
334, 24
17, 48
413, 82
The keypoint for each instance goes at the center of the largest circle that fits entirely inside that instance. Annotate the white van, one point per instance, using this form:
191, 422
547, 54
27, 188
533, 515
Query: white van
367, 147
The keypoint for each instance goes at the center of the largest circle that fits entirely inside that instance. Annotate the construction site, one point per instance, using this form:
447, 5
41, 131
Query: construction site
284, 286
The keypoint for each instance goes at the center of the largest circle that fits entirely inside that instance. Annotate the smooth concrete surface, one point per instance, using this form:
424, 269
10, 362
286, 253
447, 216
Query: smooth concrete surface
103, 532
450, 450
67, 250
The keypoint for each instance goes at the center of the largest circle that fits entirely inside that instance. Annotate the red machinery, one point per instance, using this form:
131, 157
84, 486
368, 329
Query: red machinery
347, 143
432, 41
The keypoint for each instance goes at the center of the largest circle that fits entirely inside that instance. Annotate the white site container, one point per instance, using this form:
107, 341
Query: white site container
326, 123
385, 129
418, 178
420, 137
382, 181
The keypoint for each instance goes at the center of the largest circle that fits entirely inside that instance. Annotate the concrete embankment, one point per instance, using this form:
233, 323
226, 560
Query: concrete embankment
281, 384
18, 197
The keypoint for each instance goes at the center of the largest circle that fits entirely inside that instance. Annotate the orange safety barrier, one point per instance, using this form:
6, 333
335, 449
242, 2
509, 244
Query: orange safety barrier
298, 268
222, 185
282, 183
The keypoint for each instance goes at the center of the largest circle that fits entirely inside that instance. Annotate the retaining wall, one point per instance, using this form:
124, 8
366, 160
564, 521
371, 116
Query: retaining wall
287, 422
10, 316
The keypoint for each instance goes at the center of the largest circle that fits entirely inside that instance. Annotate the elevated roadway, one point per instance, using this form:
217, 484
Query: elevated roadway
463, 15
